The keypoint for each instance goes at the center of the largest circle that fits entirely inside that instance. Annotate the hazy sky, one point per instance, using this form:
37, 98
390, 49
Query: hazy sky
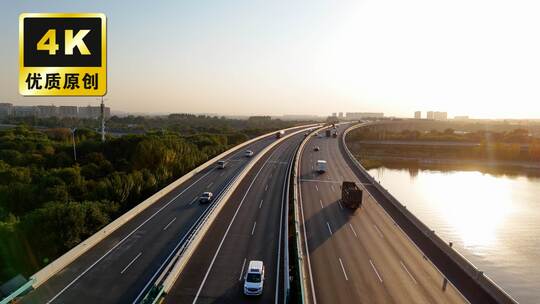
468, 57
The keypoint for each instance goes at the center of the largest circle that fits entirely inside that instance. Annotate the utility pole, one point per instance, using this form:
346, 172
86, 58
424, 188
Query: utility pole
102, 116
73, 139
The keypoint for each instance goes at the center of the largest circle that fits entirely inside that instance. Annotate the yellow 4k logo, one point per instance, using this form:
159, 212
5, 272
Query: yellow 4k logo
62, 54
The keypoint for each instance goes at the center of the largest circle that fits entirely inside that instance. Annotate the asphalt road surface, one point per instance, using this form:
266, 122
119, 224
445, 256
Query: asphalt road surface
120, 268
361, 256
248, 228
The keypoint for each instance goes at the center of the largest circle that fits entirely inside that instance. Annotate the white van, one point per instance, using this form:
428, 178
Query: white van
254, 279
221, 164
321, 166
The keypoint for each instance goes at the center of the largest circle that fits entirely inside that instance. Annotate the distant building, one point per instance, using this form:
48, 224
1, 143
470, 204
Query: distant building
430, 115
340, 115
300, 117
5, 109
334, 114
418, 115
461, 117
259, 118
363, 115
47, 111
68, 111
24, 111
440, 116
93, 112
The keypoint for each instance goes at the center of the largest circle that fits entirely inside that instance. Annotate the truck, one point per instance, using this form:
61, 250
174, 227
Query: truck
321, 166
279, 134
328, 133
351, 195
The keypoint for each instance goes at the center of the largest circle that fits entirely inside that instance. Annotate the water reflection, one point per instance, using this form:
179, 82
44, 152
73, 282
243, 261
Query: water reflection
493, 220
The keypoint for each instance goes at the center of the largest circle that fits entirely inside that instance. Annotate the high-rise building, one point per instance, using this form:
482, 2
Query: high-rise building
68, 111
47, 111
5, 109
334, 114
430, 115
418, 115
440, 115
24, 111
93, 112
340, 115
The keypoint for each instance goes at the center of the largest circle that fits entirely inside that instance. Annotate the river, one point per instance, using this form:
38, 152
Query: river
493, 220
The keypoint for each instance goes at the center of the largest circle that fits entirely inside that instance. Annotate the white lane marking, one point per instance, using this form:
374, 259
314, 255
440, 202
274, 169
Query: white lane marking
378, 231
322, 207
253, 229
266, 188
132, 261
126, 237
260, 204
333, 189
328, 225
210, 185
340, 206
193, 201
242, 271
343, 268
352, 228
407, 270
319, 180
227, 231
165, 228
375, 269
317, 188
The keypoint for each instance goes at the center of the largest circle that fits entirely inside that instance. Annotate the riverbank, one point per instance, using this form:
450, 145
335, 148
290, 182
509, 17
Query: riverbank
510, 168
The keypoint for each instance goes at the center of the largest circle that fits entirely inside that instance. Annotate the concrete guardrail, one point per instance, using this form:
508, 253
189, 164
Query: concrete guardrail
303, 272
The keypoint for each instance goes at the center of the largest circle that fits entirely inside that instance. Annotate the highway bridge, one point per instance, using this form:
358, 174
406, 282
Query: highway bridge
176, 250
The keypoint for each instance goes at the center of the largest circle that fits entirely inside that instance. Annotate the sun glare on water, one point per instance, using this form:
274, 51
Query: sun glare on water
476, 207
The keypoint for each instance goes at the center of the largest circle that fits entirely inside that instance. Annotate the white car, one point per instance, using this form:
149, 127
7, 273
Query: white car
249, 153
321, 166
254, 279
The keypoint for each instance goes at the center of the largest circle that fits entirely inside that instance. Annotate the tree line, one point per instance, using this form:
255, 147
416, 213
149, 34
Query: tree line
49, 202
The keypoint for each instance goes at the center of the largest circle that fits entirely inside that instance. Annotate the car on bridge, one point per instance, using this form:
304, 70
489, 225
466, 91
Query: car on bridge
221, 164
248, 153
321, 166
317, 148
254, 279
206, 197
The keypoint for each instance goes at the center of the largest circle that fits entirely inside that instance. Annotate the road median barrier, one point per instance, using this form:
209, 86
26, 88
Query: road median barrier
303, 273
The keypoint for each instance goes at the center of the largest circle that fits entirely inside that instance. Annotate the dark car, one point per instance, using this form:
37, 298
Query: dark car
206, 197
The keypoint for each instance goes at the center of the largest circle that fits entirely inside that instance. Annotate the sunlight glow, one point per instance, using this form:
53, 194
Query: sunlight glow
477, 223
